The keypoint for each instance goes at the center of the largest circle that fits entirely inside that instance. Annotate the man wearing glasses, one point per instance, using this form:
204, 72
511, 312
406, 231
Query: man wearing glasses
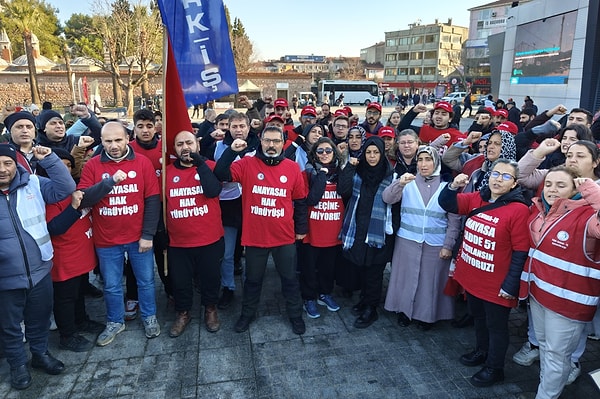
371, 123
308, 116
270, 183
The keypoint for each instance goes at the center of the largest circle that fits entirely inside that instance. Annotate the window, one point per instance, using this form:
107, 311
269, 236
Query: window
430, 38
391, 42
417, 40
430, 55
429, 71
403, 41
445, 38
416, 55
391, 57
390, 72
403, 56
414, 71
402, 71
456, 39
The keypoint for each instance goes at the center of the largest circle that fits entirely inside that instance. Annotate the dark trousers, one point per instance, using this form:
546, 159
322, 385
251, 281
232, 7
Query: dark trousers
256, 263
317, 271
371, 278
69, 304
34, 307
159, 242
491, 329
201, 263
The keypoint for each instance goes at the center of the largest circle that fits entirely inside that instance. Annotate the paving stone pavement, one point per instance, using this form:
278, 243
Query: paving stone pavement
332, 360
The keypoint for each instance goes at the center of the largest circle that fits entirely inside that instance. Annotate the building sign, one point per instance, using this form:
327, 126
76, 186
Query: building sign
304, 58
494, 23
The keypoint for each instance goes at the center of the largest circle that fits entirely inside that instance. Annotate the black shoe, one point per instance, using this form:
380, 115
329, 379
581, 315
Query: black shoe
359, 308
226, 298
424, 326
243, 323
238, 269
465, 321
91, 327
91, 291
403, 319
487, 377
367, 318
474, 358
48, 363
20, 377
298, 326
75, 343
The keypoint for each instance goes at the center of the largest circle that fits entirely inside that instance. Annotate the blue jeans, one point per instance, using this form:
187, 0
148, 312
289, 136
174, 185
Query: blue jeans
227, 264
111, 261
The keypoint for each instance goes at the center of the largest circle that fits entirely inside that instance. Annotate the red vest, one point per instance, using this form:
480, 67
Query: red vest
428, 133
192, 219
325, 219
559, 274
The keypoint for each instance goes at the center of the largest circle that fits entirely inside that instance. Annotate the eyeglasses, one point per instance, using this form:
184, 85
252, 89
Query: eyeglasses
341, 126
322, 151
373, 113
505, 176
271, 141
309, 117
407, 142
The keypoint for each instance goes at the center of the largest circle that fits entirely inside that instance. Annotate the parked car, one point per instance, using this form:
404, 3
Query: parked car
479, 99
456, 95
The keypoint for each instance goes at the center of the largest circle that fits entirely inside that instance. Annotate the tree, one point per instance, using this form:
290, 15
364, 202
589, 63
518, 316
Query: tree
354, 69
81, 37
241, 45
22, 18
131, 38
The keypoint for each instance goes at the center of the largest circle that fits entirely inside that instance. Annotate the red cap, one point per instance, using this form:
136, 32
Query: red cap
377, 106
386, 131
274, 116
491, 110
281, 102
339, 112
348, 110
508, 126
443, 105
309, 110
502, 112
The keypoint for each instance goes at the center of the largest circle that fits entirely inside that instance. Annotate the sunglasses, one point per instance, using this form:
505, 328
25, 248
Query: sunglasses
322, 151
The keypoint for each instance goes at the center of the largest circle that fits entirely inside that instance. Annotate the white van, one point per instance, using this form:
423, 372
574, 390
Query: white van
459, 96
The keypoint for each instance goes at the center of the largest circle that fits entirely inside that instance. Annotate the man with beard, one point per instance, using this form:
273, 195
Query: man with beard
440, 123
371, 123
271, 183
196, 243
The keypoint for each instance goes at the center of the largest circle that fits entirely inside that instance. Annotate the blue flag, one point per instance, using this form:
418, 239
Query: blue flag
200, 40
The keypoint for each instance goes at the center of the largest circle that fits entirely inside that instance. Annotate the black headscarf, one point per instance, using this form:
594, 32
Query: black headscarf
373, 175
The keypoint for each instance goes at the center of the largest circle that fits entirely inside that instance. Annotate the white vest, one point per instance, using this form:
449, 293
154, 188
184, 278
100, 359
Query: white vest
419, 222
31, 209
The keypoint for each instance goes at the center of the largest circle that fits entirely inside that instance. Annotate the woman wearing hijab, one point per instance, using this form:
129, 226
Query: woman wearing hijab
561, 275
423, 248
366, 234
299, 150
490, 261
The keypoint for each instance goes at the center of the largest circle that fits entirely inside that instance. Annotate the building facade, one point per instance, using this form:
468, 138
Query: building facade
419, 59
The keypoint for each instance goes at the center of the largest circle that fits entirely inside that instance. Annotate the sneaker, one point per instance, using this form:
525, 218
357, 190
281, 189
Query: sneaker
574, 373
594, 337
526, 355
151, 327
327, 300
131, 310
110, 332
53, 326
311, 309
75, 343
298, 326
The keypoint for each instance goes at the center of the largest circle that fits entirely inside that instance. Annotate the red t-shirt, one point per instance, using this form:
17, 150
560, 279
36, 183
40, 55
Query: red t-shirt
428, 133
118, 218
154, 155
192, 219
325, 219
267, 194
74, 252
490, 237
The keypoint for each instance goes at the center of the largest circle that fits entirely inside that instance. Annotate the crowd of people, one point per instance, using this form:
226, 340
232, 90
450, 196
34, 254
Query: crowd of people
332, 199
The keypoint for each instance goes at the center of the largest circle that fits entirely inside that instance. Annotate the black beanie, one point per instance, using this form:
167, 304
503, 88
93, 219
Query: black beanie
46, 116
8, 150
17, 116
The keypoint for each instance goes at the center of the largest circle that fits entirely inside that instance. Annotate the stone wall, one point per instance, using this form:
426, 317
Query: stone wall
54, 86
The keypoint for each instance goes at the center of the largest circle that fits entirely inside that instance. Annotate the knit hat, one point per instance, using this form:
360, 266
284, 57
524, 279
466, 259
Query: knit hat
8, 150
46, 116
17, 116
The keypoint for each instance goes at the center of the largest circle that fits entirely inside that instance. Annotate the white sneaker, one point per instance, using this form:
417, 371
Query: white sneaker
526, 355
574, 373
151, 327
594, 337
53, 326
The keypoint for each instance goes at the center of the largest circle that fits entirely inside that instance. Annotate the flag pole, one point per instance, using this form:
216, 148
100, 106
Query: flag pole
164, 155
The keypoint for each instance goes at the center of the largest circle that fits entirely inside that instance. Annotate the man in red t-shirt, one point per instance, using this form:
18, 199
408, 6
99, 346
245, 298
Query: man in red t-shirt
196, 243
124, 221
270, 185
